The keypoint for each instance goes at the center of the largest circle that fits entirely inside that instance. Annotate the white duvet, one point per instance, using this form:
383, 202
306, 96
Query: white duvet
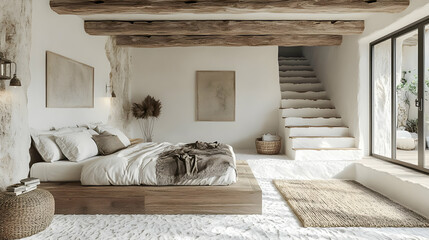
136, 165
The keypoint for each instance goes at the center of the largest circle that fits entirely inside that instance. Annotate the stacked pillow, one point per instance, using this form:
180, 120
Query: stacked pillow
77, 146
106, 129
107, 143
78, 143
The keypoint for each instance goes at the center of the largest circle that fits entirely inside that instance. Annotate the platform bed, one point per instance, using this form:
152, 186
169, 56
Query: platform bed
243, 197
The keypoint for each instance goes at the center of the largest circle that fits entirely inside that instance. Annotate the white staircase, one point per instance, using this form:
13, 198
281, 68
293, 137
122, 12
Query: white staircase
312, 127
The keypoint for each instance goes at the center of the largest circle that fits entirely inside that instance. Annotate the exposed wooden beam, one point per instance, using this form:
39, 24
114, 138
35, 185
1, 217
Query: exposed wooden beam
190, 41
223, 27
87, 7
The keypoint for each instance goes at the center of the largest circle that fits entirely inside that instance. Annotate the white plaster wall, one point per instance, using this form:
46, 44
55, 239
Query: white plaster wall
169, 75
344, 69
15, 43
65, 35
120, 63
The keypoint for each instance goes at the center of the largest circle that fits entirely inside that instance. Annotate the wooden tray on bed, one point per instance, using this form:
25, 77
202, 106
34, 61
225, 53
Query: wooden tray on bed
243, 197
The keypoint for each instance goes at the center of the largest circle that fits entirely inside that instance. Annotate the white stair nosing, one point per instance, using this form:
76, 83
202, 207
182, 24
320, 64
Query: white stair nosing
299, 83
295, 137
313, 108
304, 91
325, 149
315, 117
316, 127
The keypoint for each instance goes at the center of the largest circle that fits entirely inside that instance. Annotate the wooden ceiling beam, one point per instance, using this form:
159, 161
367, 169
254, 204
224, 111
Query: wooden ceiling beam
88, 7
191, 41
229, 28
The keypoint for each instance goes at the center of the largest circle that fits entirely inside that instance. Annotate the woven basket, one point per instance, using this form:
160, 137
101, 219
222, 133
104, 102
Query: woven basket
268, 147
25, 215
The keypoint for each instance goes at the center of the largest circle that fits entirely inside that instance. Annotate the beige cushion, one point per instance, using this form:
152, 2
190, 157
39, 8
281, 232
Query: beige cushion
106, 129
108, 144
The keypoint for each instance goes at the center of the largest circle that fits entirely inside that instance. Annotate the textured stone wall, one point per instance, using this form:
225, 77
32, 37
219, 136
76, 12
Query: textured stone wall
15, 43
120, 63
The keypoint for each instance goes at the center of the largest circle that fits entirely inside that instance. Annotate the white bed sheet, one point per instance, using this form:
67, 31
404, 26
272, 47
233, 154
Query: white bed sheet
60, 171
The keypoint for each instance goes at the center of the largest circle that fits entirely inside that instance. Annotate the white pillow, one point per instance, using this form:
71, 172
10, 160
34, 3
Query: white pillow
48, 148
45, 144
114, 131
77, 146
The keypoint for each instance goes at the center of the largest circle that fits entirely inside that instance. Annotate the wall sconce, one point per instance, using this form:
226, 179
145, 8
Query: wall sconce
113, 95
6, 71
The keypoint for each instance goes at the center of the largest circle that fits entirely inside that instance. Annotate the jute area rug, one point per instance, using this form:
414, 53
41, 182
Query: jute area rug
344, 203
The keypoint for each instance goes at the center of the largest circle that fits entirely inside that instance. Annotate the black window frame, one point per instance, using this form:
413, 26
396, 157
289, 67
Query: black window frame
420, 27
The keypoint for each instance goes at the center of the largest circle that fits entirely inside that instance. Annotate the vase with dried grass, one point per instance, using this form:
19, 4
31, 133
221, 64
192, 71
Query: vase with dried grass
146, 113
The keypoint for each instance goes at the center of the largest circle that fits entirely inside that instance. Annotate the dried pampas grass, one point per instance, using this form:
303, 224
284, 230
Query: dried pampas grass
147, 112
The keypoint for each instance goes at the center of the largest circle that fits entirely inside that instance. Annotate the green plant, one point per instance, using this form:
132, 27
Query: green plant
147, 112
412, 85
411, 125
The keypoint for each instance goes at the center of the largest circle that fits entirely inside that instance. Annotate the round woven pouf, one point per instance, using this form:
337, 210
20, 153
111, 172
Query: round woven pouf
25, 215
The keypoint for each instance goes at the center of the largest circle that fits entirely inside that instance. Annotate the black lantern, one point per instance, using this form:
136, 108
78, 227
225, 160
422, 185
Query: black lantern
5, 68
6, 71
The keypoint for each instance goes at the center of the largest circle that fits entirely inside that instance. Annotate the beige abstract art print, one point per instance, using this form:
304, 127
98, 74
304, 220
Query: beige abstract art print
215, 96
69, 84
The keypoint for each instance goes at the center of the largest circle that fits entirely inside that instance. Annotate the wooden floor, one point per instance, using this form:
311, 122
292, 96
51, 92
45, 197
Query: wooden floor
243, 197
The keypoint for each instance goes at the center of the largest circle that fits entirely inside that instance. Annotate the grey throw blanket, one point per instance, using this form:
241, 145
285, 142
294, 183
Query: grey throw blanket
193, 161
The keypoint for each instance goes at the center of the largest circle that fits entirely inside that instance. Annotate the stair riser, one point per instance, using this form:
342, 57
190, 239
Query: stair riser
297, 74
309, 112
312, 122
301, 87
296, 67
310, 155
317, 131
323, 143
291, 103
298, 80
294, 62
304, 95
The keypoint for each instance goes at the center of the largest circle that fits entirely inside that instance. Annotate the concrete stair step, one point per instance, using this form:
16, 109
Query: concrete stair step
301, 87
299, 80
306, 103
309, 112
294, 61
351, 154
304, 95
297, 73
291, 58
321, 142
305, 131
314, 121
295, 67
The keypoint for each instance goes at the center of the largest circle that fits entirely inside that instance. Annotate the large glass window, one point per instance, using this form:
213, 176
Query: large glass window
400, 96
407, 104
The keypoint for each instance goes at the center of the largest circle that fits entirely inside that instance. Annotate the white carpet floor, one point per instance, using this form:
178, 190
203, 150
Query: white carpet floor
276, 222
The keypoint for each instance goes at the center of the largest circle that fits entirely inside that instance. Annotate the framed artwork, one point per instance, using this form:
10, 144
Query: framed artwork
69, 84
215, 96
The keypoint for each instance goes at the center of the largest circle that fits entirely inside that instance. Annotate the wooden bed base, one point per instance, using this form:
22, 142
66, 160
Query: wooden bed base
243, 197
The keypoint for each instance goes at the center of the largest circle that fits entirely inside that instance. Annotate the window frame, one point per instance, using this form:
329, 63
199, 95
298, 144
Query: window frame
420, 26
